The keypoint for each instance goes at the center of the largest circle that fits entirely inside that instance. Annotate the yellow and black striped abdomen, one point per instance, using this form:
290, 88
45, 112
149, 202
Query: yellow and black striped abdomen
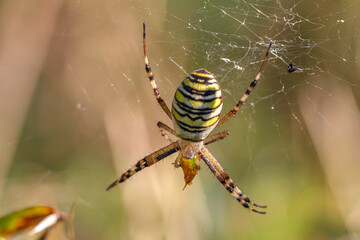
197, 106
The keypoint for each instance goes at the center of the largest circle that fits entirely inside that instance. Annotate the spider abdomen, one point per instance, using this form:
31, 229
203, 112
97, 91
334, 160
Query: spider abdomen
197, 106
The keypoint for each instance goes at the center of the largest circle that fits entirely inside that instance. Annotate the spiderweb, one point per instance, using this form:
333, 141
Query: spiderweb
230, 40
92, 90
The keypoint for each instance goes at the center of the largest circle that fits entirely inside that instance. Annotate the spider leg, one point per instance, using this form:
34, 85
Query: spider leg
152, 80
247, 93
147, 162
216, 137
162, 126
164, 134
227, 182
177, 162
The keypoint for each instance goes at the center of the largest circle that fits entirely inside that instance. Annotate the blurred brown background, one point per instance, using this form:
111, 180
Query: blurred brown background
76, 110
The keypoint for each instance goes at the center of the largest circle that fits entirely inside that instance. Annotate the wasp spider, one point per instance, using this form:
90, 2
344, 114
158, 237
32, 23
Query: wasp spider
195, 113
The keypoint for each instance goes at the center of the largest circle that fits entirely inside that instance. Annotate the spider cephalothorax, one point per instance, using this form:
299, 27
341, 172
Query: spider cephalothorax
195, 113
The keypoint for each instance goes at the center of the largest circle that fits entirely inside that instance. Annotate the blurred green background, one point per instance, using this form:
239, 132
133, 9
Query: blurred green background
77, 110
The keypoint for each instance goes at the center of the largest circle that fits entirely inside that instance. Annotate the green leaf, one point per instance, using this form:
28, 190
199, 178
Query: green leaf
23, 219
